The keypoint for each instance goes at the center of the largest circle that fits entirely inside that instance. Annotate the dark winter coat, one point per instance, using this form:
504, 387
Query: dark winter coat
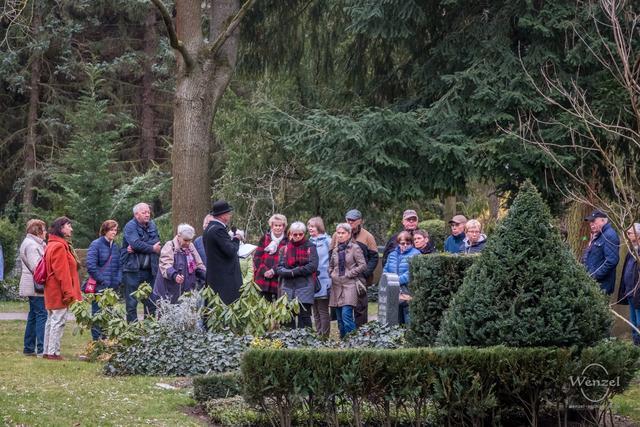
98, 254
602, 258
477, 247
223, 265
299, 279
173, 261
141, 238
264, 261
630, 282
455, 244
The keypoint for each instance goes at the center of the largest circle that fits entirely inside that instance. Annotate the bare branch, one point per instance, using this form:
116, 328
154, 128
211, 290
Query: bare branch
173, 36
224, 35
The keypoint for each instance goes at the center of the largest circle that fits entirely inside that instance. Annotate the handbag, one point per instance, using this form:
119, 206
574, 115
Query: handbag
317, 286
39, 274
90, 285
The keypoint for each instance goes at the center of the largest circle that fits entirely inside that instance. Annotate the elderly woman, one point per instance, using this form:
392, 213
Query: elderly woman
31, 252
265, 257
103, 265
321, 298
474, 240
630, 281
62, 287
398, 263
347, 263
422, 242
180, 266
297, 267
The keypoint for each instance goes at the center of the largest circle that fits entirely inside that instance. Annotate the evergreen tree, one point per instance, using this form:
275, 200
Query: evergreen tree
85, 172
526, 289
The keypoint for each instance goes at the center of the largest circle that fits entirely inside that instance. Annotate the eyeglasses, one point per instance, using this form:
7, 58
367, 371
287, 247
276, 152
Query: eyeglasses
412, 219
404, 244
297, 234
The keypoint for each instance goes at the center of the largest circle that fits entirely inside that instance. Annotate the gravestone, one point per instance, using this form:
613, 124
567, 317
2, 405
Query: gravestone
388, 299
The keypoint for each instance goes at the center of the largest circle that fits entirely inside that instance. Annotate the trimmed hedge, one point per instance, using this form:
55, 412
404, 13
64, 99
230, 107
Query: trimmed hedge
463, 385
434, 280
216, 386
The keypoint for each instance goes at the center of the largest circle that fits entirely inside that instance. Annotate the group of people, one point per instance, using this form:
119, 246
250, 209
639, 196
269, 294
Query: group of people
601, 257
299, 260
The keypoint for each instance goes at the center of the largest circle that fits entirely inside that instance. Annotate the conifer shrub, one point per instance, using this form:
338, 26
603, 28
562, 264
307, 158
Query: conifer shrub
435, 278
526, 289
9, 233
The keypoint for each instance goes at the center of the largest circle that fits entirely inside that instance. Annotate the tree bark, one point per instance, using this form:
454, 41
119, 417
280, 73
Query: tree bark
149, 129
32, 119
199, 88
449, 207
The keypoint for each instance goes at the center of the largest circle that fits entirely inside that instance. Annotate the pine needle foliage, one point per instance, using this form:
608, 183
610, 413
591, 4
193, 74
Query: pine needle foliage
526, 289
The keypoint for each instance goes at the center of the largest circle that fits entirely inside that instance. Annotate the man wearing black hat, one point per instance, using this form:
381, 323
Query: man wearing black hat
602, 255
223, 264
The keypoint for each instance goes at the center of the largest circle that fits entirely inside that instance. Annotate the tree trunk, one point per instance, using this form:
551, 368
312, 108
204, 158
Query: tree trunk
32, 120
449, 207
198, 93
149, 129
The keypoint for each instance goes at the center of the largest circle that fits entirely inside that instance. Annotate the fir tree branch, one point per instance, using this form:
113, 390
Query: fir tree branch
173, 36
224, 35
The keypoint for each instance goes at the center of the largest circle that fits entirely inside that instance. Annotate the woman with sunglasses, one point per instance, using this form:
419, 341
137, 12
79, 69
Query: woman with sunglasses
398, 263
297, 267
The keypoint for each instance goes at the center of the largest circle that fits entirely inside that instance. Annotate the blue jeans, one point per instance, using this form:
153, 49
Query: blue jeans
34, 333
403, 313
634, 318
346, 322
131, 281
96, 333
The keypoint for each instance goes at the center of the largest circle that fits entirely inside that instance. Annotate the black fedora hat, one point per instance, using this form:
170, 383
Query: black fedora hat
220, 207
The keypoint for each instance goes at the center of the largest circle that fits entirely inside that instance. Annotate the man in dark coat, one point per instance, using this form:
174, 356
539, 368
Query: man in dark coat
603, 253
223, 264
629, 292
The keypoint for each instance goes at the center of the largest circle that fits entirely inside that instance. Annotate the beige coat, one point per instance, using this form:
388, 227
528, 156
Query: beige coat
167, 253
343, 288
31, 251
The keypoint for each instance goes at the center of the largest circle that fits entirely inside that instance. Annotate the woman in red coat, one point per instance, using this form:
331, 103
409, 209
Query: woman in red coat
62, 287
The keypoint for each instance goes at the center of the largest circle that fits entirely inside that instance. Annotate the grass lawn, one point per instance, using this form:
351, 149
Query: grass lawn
14, 306
38, 392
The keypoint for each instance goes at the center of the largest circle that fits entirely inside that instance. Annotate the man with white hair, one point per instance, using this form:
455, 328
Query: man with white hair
603, 253
139, 258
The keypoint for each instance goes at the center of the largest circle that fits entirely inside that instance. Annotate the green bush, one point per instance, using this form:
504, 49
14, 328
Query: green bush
435, 278
216, 386
9, 233
9, 289
438, 231
526, 289
459, 386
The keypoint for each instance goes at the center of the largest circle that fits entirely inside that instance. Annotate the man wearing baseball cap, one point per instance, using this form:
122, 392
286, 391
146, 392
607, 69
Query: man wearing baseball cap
410, 224
367, 244
603, 253
455, 242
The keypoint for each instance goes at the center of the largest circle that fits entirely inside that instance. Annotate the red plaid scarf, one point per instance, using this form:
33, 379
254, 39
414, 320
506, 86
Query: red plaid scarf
296, 253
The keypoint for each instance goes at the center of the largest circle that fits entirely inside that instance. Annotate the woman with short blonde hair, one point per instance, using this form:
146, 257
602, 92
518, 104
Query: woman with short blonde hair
266, 257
